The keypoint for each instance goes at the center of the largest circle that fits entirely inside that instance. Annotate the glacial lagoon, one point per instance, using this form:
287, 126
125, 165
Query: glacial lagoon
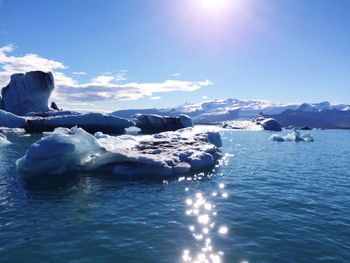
265, 201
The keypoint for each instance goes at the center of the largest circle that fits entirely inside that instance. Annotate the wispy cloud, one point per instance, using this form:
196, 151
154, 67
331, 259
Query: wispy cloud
100, 88
175, 75
79, 73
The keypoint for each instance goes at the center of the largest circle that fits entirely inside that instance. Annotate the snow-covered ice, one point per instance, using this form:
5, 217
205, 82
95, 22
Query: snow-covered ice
293, 136
163, 154
241, 125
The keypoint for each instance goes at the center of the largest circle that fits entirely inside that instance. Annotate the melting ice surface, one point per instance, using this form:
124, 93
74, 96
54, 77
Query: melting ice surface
163, 154
3, 140
293, 136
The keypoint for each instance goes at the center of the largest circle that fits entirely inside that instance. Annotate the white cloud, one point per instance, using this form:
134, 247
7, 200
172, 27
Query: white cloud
79, 73
103, 88
155, 98
12, 64
205, 97
175, 74
100, 88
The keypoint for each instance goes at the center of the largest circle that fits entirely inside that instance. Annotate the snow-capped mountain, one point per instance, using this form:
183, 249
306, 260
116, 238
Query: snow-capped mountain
233, 109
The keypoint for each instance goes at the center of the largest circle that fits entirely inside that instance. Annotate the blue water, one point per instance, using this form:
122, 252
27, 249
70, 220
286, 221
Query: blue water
265, 202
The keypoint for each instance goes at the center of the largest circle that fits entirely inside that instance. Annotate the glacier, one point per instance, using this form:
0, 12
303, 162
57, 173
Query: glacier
220, 110
163, 154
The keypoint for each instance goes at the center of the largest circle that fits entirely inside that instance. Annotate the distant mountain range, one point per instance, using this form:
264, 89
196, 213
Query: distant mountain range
318, 115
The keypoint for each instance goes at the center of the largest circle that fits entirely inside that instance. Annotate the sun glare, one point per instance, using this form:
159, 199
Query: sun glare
213, 4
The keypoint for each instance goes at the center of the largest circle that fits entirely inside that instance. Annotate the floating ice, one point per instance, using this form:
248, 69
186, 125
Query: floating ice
241, 125
27, 92
91, 122
151, 123
10, 120
163, 154
268, 124
293, 136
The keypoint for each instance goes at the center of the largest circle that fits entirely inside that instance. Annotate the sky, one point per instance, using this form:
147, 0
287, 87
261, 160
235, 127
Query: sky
154, 53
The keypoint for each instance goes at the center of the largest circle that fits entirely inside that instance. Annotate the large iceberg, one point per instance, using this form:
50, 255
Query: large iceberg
24, 104
152, 123
91, 122
163, 154
29, 92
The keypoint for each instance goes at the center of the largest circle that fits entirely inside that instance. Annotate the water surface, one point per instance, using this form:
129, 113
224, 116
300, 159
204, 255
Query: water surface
265, 202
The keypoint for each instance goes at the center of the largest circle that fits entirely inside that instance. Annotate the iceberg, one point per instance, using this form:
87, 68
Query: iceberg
24, 104
293, 136
152, 123
29, 92
10, 120
241, 125
269, 124
91, 122
163, 154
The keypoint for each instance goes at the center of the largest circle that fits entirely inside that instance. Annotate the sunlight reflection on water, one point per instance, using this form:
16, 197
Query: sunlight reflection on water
202, 210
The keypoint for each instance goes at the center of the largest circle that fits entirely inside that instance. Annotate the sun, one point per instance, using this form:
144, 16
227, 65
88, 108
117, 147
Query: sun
213, 4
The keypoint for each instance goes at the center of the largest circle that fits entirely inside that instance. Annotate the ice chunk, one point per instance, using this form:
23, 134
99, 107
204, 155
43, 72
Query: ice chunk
3, 140
163, 154
269, 124
241, 125
28, 92
293, 136
10, 120
151, 123
91, 122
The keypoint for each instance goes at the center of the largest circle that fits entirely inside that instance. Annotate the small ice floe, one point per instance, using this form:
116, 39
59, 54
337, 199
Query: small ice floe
163, 154
293, 136
241, 125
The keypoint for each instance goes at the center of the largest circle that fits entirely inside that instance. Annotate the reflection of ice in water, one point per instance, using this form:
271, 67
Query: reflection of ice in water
200, 208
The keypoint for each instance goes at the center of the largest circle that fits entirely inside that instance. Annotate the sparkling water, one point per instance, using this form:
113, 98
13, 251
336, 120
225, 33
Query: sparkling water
265, 202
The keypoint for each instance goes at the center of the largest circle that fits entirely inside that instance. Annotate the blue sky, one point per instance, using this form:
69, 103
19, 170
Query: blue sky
156, 53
